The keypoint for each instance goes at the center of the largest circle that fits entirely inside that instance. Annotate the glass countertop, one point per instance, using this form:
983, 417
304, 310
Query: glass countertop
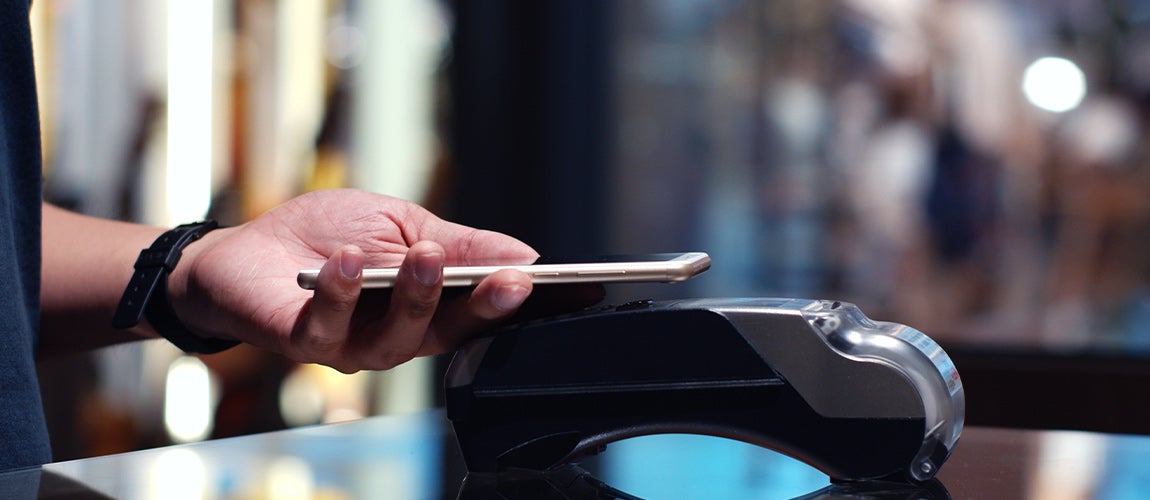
415, 456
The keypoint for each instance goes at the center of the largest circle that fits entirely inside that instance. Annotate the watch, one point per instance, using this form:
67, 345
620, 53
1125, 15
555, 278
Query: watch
147, 292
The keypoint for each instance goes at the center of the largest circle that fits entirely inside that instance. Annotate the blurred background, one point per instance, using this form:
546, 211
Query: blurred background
975, 168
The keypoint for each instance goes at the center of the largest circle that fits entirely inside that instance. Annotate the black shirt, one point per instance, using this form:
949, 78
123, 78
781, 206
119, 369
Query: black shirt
23, 435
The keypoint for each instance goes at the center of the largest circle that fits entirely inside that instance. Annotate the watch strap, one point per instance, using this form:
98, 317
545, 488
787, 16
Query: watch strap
147, 292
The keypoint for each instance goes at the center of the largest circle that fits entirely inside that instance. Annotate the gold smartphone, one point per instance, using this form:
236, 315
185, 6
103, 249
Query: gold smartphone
656, 267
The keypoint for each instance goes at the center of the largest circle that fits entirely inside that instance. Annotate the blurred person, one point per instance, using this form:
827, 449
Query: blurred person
1098, 218
886, 180
64, 274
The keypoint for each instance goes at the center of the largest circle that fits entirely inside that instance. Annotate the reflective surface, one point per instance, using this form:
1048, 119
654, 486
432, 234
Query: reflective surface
414, 456
396, 457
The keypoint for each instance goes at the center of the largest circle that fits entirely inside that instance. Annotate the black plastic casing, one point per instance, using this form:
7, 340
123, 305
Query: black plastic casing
763, 371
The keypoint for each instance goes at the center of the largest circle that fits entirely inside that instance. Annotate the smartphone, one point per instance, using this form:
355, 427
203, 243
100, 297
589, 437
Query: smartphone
654, 267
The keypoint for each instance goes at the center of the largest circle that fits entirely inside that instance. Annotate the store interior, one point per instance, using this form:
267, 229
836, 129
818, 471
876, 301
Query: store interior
977, 169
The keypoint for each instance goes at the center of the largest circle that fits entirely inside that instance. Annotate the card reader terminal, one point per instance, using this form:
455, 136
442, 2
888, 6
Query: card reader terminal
816, 380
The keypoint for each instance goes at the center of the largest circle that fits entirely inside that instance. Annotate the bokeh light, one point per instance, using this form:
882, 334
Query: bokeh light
1054, 84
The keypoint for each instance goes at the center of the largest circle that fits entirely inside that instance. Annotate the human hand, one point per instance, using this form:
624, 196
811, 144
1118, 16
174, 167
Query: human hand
239, 282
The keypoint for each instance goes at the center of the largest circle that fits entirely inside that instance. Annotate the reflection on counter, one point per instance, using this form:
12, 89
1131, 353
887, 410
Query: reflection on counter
415, 457
691, 466
397, 457
1058, 465
570, 482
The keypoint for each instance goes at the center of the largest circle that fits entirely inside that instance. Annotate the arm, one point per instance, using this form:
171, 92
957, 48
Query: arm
86, 263
239, 282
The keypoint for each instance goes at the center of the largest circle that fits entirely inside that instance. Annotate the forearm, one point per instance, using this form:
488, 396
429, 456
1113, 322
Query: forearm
86, 263
238, 283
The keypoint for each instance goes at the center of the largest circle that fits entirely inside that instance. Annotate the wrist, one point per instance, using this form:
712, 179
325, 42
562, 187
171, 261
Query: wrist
148, 294
184, 294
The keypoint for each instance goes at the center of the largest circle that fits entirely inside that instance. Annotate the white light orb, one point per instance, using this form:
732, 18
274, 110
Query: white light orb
1054, 84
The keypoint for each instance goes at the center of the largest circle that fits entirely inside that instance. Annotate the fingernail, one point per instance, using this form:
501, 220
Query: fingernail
509, 297
350, 265
428, 268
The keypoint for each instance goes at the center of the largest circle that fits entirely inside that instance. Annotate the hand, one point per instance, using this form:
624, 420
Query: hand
240, 283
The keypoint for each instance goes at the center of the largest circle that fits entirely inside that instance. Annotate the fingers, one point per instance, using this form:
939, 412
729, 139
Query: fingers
415, 321
323, 331
494, 299
398, 336
469, 246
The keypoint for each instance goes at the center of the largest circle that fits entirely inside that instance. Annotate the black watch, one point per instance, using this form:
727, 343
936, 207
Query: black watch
147, 292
